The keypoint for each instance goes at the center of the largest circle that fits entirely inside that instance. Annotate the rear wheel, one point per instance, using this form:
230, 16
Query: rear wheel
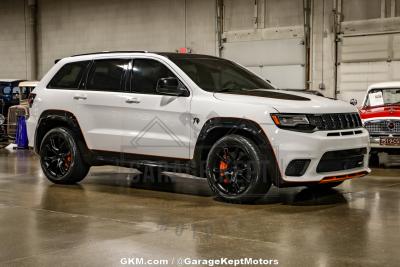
236, 170
60, 158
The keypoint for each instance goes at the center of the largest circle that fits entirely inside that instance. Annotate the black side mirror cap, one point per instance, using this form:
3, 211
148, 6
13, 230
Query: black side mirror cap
171, 86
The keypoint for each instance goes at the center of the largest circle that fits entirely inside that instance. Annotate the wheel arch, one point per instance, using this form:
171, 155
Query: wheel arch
216, 128
51, 119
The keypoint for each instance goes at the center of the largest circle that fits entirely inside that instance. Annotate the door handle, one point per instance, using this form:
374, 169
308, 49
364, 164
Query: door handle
132, 101
80, 97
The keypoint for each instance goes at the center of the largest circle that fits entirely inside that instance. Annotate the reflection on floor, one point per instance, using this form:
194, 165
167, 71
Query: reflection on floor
116, 213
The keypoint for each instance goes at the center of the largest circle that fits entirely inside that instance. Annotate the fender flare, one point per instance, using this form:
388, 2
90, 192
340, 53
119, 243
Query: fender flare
56, 118
241, 126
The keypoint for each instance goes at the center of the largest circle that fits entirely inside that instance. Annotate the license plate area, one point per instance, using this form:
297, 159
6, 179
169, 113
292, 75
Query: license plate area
389, 141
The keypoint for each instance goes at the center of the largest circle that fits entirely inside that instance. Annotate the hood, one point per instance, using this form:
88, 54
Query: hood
288, 101
380, 112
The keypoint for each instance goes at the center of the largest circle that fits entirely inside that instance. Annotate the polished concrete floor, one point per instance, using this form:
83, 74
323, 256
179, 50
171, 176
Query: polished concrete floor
112, 215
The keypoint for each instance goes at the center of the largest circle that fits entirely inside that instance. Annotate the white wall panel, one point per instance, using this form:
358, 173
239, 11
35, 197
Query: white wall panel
280, 60
266, 52
364, 48
284, 77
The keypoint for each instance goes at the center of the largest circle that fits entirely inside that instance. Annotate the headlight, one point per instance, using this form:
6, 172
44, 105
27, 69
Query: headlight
2, 119
296, 122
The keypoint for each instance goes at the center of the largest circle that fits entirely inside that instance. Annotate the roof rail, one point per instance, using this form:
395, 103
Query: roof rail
110, 52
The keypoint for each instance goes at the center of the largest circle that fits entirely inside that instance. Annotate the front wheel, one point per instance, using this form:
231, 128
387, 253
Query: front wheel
236, 170
60, 157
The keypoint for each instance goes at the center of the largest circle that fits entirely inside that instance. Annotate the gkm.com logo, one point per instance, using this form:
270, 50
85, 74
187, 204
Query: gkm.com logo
186, 261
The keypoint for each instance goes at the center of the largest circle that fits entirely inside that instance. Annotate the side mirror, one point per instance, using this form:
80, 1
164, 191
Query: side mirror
170, 86
353, 102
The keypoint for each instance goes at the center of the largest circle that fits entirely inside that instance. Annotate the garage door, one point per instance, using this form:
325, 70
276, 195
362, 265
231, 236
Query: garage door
365, 60
281, 61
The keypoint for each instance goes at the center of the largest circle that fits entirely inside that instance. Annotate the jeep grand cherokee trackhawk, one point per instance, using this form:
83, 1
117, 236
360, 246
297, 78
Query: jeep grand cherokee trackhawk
191, 113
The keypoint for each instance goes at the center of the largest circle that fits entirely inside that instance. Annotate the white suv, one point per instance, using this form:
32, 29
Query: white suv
195, 114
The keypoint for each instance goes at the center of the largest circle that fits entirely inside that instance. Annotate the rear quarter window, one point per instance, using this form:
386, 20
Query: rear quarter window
69, 76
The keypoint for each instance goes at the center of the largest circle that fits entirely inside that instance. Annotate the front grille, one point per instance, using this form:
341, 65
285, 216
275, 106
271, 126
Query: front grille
382, 126
335, 121
342, 160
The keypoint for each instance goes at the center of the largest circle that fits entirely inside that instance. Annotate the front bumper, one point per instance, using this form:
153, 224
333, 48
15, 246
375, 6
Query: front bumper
291, 145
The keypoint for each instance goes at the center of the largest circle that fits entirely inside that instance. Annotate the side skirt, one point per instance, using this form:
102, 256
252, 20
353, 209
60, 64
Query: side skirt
136, 160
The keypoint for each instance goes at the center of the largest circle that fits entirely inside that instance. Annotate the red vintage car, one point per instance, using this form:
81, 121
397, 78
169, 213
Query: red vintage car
380, 114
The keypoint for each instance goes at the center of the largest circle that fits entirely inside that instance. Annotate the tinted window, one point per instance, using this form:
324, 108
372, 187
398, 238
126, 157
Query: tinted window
213, 74
107, 75
69, 76
146, 73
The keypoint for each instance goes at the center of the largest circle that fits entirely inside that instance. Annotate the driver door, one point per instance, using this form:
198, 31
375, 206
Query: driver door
154, 124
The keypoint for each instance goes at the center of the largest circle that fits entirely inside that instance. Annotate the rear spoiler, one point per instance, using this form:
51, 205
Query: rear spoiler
56, 61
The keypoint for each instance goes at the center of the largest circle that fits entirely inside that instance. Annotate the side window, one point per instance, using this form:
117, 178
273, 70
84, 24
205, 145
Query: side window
69, 76
107, 75
146, 73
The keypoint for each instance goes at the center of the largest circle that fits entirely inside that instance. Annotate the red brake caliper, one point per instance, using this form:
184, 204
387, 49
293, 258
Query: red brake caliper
223, 166
67, 160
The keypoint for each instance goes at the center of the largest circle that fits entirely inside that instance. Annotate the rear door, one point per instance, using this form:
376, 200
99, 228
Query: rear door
100, 104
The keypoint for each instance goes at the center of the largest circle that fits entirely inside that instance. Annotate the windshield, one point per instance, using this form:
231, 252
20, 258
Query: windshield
383, 97
217, 75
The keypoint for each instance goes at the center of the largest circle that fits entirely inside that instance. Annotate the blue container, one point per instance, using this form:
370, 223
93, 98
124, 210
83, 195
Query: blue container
22, 134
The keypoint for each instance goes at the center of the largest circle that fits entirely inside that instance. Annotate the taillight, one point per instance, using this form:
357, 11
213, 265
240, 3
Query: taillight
31, 98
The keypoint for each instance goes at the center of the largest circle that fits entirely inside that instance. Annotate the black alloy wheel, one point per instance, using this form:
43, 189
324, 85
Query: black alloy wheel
60, 157
236, 170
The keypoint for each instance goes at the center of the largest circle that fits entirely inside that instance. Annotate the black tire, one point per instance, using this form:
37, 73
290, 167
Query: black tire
325, 186
244, 177
374, 160
60, 158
